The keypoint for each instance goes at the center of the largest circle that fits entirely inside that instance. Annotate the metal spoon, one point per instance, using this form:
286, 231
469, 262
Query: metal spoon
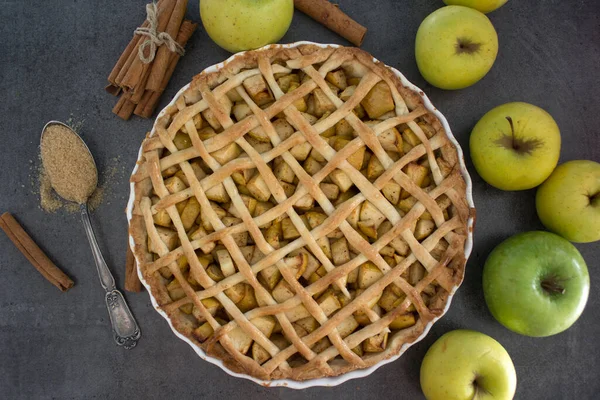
125, 328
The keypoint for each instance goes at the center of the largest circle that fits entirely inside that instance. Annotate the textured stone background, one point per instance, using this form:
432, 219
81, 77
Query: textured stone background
54, 59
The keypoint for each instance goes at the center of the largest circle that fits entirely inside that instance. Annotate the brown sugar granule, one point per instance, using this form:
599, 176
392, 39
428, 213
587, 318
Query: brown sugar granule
68, 164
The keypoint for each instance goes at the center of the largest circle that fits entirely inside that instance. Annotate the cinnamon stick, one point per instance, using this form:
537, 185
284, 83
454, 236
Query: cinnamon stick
124, 107
138, 69
125, 56
112, 89
163, 55
333, 18
185, 33
149, 101
146, 101
132, 281
33, 253
138, 91
132, 57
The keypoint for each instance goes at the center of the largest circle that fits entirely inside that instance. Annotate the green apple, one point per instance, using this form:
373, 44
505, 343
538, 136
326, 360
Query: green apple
485, 6
515, 146
568, 202
455, 47
536, 283
467, 365
238, 25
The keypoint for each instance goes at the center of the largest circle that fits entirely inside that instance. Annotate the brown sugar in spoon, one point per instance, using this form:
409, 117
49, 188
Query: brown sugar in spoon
73, 175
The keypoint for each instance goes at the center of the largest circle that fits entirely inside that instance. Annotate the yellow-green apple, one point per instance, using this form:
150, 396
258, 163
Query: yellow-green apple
238, 25
466, 365
568, 202
455, 47
515, 146
485, 6
536, 283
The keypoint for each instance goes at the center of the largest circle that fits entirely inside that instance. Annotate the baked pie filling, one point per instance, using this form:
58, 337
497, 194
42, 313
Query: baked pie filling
299, 213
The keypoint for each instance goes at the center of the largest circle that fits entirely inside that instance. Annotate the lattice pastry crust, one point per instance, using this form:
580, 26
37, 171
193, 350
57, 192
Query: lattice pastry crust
299, 213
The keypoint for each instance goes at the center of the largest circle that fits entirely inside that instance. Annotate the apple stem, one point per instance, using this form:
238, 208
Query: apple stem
467, 46
512, 133
551, 286
519, 145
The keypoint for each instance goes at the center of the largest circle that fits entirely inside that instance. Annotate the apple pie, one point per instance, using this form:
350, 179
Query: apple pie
299, 213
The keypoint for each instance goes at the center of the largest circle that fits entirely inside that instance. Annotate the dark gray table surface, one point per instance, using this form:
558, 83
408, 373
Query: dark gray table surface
54, 60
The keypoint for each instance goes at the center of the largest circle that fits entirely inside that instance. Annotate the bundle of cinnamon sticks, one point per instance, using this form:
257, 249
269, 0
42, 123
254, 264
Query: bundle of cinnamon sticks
141, 84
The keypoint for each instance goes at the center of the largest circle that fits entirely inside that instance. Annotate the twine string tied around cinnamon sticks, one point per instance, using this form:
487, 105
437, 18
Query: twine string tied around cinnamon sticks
155, 38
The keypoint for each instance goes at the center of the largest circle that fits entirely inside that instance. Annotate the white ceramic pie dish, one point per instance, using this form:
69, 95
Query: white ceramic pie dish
327, 381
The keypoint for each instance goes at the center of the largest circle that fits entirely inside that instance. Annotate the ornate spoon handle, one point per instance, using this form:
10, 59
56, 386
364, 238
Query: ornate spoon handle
125, 328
